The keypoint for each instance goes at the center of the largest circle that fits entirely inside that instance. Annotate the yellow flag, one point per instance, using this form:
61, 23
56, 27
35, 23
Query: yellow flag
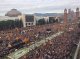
26, 40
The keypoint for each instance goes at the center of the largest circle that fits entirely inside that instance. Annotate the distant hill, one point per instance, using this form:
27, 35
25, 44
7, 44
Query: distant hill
48, 14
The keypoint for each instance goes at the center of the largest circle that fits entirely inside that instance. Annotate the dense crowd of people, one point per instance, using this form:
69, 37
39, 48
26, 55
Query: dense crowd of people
58, 48
27, 35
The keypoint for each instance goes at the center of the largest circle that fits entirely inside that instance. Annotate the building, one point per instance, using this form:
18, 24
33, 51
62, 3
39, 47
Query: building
31, 20
77, 12
13, 13
46, 18
65, 16
28, 20
54, 19
71, 15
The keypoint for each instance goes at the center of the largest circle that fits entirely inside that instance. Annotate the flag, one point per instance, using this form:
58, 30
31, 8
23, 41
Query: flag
26, 40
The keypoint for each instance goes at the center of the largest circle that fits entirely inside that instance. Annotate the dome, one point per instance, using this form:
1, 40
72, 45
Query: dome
13, 13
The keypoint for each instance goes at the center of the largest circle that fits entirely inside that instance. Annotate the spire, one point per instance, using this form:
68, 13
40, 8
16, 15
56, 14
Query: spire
65, 10
77, 9
65, 16
77, 13
69, 11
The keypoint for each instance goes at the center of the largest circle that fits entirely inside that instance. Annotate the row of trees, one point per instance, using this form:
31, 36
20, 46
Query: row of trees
10, 24
42, 21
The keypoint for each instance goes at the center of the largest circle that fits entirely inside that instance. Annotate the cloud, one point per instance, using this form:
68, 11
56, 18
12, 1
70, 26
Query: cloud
33, 6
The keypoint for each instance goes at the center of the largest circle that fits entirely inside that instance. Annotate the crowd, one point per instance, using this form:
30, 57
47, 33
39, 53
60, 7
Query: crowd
30, 34
58, 48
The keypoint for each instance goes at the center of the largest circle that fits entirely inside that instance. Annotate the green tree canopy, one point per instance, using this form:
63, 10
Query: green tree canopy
41, 21
10, 24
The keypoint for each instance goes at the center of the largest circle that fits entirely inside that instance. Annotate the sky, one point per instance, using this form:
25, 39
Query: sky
38, 6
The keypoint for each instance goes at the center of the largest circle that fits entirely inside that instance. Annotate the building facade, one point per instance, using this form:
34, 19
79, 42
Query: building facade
65, 16
28, 20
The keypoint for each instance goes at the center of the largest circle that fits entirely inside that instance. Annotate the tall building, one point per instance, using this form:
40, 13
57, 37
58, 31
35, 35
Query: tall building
65, 16
71, 15
69, 11
77, 13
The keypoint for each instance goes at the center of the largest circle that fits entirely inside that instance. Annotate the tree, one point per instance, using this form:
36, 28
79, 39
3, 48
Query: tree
10, 24
18, 23
21, 23
41, 22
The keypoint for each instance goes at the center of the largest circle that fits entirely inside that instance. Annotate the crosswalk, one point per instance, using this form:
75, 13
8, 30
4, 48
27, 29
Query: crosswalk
17, 54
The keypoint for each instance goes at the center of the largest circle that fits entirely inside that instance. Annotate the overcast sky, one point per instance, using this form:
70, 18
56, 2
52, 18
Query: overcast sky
38, 6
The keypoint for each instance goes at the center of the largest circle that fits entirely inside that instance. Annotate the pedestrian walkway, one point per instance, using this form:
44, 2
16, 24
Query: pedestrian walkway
19, 53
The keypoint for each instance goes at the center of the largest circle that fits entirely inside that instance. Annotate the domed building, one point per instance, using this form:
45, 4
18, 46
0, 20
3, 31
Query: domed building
13, 13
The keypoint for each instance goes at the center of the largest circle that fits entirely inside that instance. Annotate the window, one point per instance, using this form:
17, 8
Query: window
28, 23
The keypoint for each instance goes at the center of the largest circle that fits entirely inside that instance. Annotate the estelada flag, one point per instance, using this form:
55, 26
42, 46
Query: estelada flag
26, 40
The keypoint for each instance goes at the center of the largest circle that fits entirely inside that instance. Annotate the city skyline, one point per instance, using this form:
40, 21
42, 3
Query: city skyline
37, 6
